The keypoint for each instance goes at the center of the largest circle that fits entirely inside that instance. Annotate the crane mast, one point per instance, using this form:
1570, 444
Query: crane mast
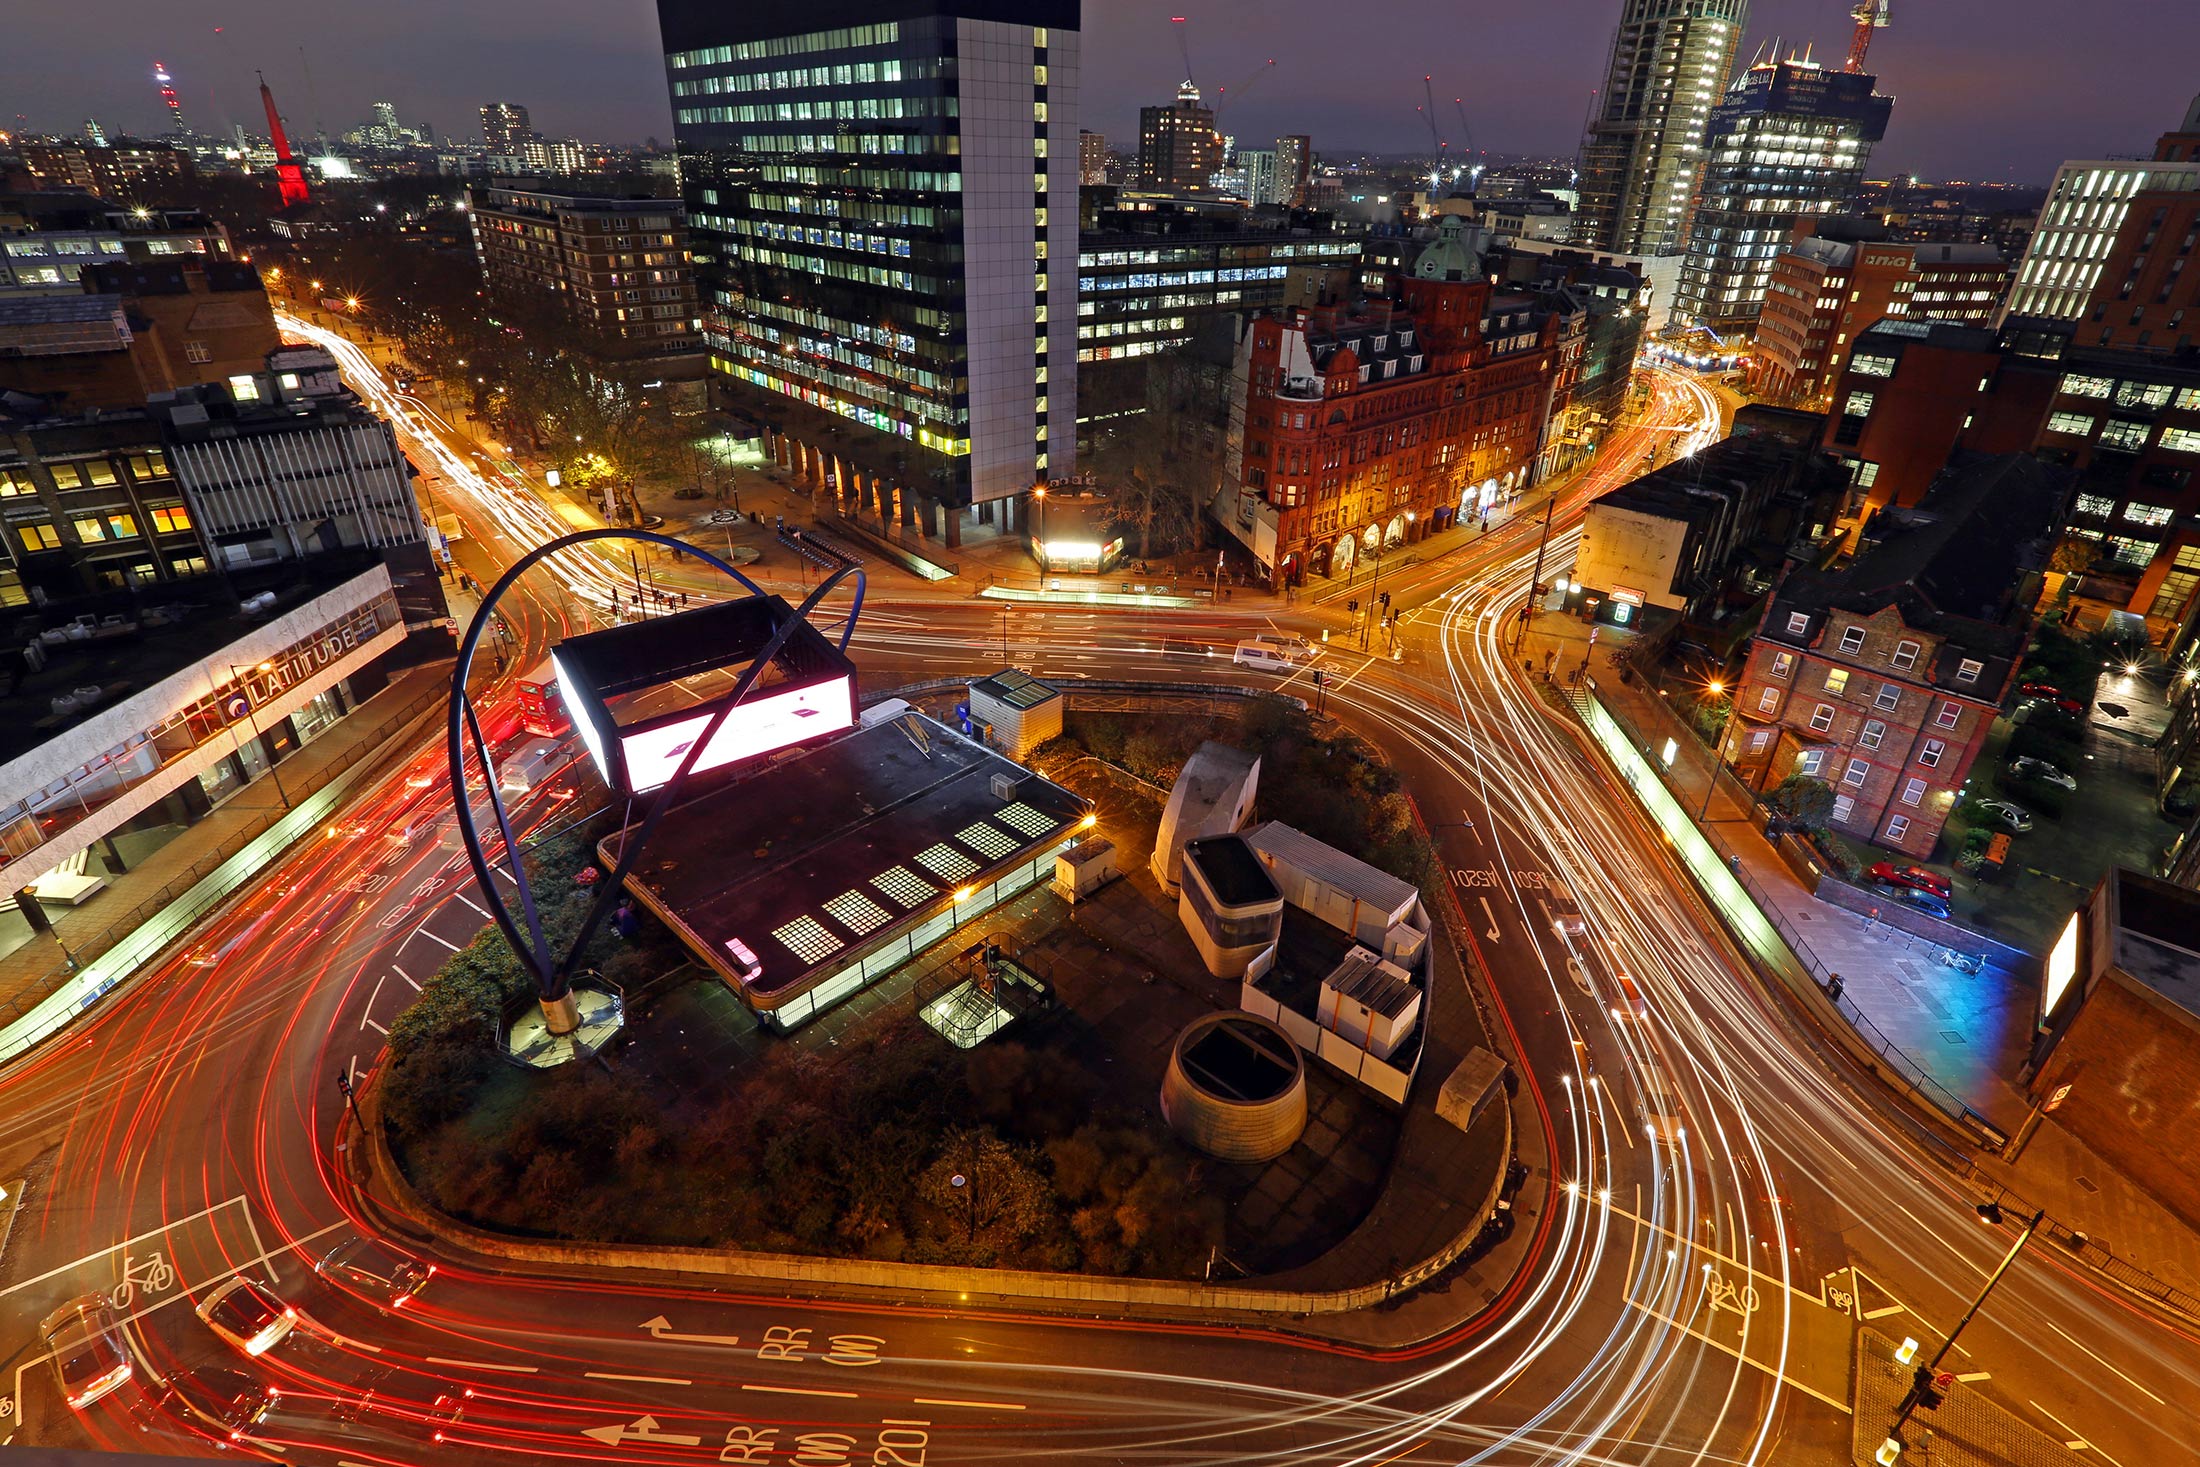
1869, 15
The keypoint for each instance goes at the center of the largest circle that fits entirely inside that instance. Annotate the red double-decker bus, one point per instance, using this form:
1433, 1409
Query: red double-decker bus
541, 705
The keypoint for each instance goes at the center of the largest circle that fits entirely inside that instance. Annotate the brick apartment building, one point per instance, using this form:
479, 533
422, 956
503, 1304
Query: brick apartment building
120, 172
617, 267
1359, 424
1883, 677
1828, 288
2147, 288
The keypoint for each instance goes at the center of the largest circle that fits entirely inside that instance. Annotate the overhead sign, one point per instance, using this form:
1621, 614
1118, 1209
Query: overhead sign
759, 725
2062, 967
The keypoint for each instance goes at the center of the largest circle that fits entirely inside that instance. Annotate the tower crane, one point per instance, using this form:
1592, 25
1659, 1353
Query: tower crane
1466, 129
1869, 15
1428, 114
1184, 43
1231, 94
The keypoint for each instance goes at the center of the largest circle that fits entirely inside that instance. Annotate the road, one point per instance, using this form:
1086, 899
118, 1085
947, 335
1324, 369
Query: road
1727, 1206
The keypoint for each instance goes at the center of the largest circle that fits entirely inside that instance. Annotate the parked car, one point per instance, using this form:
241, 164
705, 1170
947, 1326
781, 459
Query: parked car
88, 1356
1916, 876
2002, 812
214, 1402
2026, 767
2040, 690
246, 1313
377, 1273
1917, 898
2057, 702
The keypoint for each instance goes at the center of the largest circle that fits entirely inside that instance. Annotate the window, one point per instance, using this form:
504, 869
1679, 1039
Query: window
1782, 664
2147, 514
1929, 756
1859, 404
1855, 775
1837, 681
1844, 808
2077, 385
2142, 394
1968, 669
170, 518
98, 472
1865, 366
196, 351
2180, 440
66, 476
1874, 733
1852, 639
1948, 715
1822, 717
1768, 700
122, 526
2099, 504
2078, 423
1887, 698
1905, 654
1758, 740
38, 537
1913, 790
1798, 622
89, 529
243, 388
1810, 761
2122, 436
1898, 827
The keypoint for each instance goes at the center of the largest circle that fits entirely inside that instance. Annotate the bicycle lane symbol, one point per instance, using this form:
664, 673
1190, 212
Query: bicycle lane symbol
1722, 1294
151, 1273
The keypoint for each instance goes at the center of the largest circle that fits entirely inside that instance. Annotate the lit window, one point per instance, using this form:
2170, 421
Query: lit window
2180, 440
1810, 761
1837, 681
2076, 385
1782, 663
243, 388
2078, 423
2122, 436
1859, 404
1929, 756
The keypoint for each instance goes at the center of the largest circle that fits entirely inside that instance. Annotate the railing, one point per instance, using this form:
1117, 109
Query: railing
2124, 1273
920, 558
201, 888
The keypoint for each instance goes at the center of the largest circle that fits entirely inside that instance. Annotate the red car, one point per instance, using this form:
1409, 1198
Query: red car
2040, 690
1912, 876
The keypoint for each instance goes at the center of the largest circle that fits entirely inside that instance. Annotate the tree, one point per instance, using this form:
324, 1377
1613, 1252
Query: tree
1804, 800
988, 1196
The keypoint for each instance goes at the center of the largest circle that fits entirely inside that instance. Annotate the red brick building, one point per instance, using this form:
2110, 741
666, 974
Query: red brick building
2148, 286
1827, 290
1361, 424
1883, 677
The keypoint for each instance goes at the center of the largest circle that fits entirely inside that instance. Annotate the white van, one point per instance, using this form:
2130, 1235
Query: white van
1277, 651
527, 766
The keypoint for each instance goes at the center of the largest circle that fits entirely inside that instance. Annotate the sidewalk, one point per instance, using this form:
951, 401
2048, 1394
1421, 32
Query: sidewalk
1961, 1039
142, 897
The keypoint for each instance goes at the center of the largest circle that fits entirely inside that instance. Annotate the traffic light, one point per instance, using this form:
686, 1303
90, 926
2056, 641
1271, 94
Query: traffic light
1927, 1390
1383, 597
1352, 607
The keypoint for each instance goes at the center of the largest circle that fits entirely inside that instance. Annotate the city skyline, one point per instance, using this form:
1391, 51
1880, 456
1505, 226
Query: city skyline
599, 75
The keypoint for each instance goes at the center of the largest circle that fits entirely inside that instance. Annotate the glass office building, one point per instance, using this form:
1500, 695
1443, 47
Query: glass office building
883, 199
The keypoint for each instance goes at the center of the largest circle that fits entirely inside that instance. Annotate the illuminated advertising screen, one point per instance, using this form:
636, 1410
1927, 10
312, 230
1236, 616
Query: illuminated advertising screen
2062, 967
761, 724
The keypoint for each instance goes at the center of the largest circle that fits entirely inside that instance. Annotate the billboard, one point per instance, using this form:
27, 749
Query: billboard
759, 725
2062, 967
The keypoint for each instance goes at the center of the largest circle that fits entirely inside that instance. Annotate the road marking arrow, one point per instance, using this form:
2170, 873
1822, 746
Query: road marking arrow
1492, 916
660, 1328
643, 1429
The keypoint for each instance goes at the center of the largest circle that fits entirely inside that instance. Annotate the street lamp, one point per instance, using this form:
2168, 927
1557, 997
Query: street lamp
244, 691
1039, 494
1718, 750
1924, 1386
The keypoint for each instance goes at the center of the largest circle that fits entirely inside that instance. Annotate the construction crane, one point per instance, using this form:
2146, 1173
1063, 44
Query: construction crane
1231, 94
1869, 15
1436, 142
1184, 43
1466, 129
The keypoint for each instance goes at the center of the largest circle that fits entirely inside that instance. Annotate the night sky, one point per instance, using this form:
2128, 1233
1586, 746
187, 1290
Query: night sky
1985, 89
